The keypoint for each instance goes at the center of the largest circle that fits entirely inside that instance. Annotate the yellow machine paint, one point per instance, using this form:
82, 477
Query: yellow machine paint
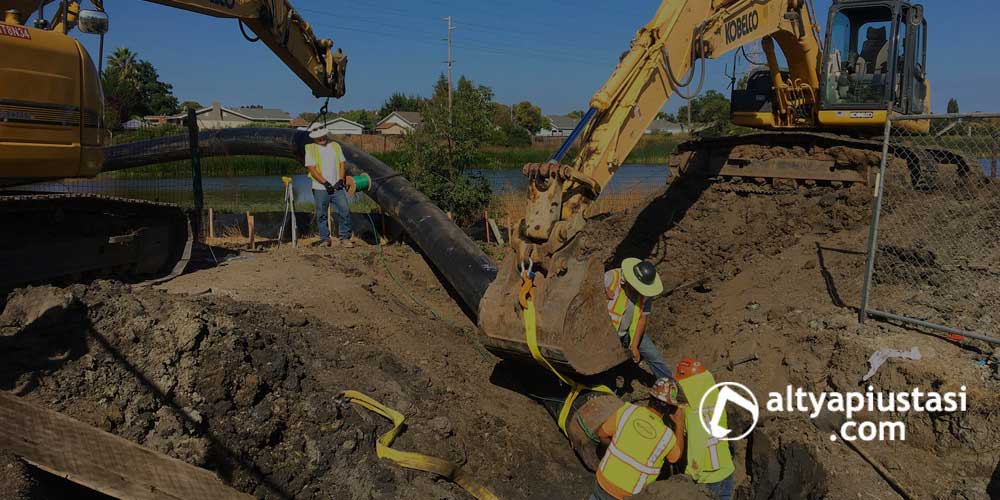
50, 106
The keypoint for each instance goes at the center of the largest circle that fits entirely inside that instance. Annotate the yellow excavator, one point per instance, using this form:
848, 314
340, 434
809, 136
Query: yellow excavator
820, 103
51, 107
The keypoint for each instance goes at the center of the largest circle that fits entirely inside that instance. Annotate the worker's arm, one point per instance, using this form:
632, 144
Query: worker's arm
640, 330
675, 453
607, 430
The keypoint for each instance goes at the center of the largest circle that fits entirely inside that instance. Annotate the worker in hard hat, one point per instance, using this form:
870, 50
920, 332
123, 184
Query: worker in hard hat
328, 170
709, 460
640, 439
631, 289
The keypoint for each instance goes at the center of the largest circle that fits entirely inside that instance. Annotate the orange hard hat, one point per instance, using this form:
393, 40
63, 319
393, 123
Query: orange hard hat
689, 367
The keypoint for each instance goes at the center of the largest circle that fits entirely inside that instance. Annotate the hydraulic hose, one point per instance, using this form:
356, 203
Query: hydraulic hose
459, 260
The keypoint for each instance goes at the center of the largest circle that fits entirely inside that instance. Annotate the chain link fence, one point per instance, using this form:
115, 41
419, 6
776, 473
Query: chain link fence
934, 248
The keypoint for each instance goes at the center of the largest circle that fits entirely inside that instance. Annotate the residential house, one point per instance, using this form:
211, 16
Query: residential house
339, 126
299, 123
399, 123
155, 120
562, 126
135, 124
216, 116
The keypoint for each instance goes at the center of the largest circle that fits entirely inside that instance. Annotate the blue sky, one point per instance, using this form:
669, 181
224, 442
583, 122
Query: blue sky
555, 53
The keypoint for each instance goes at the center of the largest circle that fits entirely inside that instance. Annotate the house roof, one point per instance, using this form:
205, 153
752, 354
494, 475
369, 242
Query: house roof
339, 119
563, 122
411, 117
263, 114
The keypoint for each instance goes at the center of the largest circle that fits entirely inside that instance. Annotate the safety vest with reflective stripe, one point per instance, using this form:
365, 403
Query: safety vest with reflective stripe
315, 152
708, 459
636, 453
618, 303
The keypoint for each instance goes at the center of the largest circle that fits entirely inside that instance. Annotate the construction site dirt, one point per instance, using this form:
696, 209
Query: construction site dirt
236, 367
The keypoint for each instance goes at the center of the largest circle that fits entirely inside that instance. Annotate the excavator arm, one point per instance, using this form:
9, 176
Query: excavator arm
274, 22
681, 33
572, 322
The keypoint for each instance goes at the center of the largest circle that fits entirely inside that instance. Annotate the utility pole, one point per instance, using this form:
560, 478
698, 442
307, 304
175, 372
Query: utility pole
450, 63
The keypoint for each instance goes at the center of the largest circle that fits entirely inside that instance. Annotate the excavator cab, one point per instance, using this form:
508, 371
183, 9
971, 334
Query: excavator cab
875, 61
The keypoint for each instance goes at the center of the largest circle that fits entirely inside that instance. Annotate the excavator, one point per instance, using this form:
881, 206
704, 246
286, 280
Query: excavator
819, 105
51, 107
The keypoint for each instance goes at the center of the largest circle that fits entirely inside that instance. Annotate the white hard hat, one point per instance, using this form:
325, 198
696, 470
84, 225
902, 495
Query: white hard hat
320, 132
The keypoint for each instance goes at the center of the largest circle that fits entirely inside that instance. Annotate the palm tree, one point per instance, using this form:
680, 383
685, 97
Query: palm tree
120, 82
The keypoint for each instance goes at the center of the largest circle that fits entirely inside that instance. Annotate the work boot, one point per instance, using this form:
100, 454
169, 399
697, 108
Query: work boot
320, 243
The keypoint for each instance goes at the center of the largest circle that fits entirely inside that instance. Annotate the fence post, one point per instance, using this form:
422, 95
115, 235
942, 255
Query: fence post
199, 193
993, 156
873, 230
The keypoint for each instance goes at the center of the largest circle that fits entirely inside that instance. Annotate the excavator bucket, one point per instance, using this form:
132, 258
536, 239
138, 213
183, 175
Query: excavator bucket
573, 329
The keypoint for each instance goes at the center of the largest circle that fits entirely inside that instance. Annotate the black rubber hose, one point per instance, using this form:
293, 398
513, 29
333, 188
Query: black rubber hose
457, 258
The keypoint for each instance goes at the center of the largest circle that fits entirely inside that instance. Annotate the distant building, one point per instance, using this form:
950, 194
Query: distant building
339, 126
562, 126
155, 120
135, 124
216, 116
665, 127
399, 123
299, 123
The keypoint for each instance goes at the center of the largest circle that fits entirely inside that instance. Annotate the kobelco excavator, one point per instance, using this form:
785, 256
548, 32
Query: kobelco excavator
51, 107
820, 104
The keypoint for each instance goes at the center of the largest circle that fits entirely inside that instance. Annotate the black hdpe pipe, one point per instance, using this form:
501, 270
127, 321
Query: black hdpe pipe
457, 258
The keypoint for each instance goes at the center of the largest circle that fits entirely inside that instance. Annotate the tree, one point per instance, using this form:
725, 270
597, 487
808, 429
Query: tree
190, 104
132, 87
663, 115
711, 108
576, 115
953, 106
308, 117
529, 116
436, 155
363, 117
399, 102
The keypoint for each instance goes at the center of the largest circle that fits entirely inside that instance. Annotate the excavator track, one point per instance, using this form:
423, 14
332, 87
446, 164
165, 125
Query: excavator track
809, 157
65, 238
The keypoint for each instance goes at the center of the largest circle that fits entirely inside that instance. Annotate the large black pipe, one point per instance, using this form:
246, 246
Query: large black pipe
457, 258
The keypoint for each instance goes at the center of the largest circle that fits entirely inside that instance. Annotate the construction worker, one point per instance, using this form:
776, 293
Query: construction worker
327, 169
709, 461
630, 290
639, 440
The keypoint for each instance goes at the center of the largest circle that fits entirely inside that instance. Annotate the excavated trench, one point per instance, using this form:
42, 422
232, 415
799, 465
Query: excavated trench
248, 390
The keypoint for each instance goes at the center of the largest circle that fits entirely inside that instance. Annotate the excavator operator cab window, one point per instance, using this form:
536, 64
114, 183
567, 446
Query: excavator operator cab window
859, 58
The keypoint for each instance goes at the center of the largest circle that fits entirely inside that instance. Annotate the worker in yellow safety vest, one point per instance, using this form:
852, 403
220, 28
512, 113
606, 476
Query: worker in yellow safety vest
328, 170
631, 289
639, 440
709, 460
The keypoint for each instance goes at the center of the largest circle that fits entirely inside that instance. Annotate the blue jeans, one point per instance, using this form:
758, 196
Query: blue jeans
598, 493
652, 355
341, 207
723, 490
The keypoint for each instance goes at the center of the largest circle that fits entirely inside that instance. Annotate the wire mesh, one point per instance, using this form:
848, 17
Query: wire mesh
935, 248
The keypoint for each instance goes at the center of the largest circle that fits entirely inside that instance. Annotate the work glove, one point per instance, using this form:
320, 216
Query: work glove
330, 188
340, 185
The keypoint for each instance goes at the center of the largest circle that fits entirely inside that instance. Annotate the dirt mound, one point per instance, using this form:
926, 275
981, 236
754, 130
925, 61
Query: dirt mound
236, 368
15, 479
245, 390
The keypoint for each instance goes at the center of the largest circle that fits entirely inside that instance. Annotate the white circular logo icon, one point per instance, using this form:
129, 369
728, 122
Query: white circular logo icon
728, 392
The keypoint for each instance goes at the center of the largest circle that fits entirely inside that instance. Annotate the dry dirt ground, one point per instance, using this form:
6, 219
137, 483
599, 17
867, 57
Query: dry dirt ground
237, 367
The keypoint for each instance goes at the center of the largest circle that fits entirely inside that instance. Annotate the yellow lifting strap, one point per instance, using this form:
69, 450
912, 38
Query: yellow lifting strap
416, 461
531, 336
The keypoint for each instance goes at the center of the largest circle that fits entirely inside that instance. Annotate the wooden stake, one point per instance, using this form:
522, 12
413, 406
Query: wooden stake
211, 223
486, 224
251, 230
